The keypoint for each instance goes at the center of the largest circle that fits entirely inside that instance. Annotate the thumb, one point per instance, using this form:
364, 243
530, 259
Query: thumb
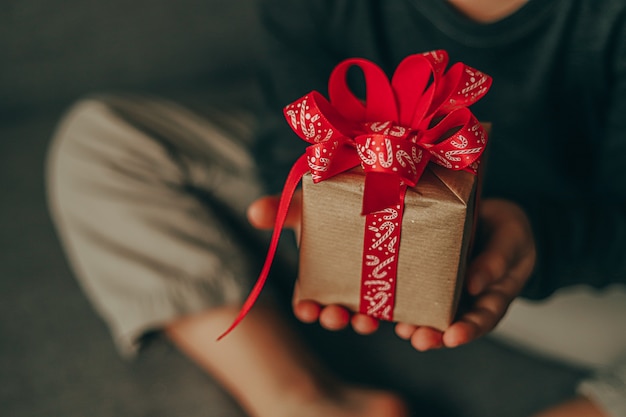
262, 212
509, 250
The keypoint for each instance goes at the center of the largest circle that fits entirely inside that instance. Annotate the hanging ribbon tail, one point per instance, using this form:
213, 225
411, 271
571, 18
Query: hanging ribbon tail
295, 175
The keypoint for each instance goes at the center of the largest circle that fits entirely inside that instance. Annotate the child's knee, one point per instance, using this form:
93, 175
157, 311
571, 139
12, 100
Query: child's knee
68, 157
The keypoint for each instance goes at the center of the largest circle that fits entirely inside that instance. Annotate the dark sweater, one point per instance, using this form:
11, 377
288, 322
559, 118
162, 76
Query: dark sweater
557, 104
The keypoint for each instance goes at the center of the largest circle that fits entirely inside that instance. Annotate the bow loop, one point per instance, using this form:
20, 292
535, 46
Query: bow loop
329, 158
464, 86
410, 84
380, 103
457, 141
424, 107
438, 60
315, 120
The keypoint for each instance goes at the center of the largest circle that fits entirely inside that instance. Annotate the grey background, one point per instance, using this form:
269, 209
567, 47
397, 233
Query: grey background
56, 357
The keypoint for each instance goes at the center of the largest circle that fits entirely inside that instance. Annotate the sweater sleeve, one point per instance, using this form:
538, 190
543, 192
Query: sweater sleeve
607, 388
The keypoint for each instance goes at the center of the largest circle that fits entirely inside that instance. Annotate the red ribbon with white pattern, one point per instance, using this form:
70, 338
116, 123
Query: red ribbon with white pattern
420, 116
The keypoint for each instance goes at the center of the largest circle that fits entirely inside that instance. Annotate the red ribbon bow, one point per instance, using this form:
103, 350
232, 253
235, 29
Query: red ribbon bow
421, 115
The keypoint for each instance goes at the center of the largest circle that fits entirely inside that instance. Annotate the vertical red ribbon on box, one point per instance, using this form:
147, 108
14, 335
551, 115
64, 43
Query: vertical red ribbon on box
401, 126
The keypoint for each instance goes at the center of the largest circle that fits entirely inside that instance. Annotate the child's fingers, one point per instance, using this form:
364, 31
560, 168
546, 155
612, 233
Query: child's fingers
421, 338
499, 256
262, 212
460, 333
307, 311
510, 248
482, 318
426, 338
405, 330
364, 324
334, 317
489, 267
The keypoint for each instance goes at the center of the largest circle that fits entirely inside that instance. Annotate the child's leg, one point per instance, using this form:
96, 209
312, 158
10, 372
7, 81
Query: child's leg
263, 365
577, 407
150, 203
148, 200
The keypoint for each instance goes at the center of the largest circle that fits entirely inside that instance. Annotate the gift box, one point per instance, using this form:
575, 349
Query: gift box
436, 233
389, 189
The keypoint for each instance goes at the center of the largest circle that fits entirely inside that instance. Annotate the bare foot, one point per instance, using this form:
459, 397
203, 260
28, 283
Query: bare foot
350, 402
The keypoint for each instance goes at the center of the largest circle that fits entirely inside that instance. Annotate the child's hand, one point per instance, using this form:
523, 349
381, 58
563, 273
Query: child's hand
495, 277
262, 214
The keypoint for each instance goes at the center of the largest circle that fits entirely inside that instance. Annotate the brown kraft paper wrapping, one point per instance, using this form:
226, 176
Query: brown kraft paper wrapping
436, 233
